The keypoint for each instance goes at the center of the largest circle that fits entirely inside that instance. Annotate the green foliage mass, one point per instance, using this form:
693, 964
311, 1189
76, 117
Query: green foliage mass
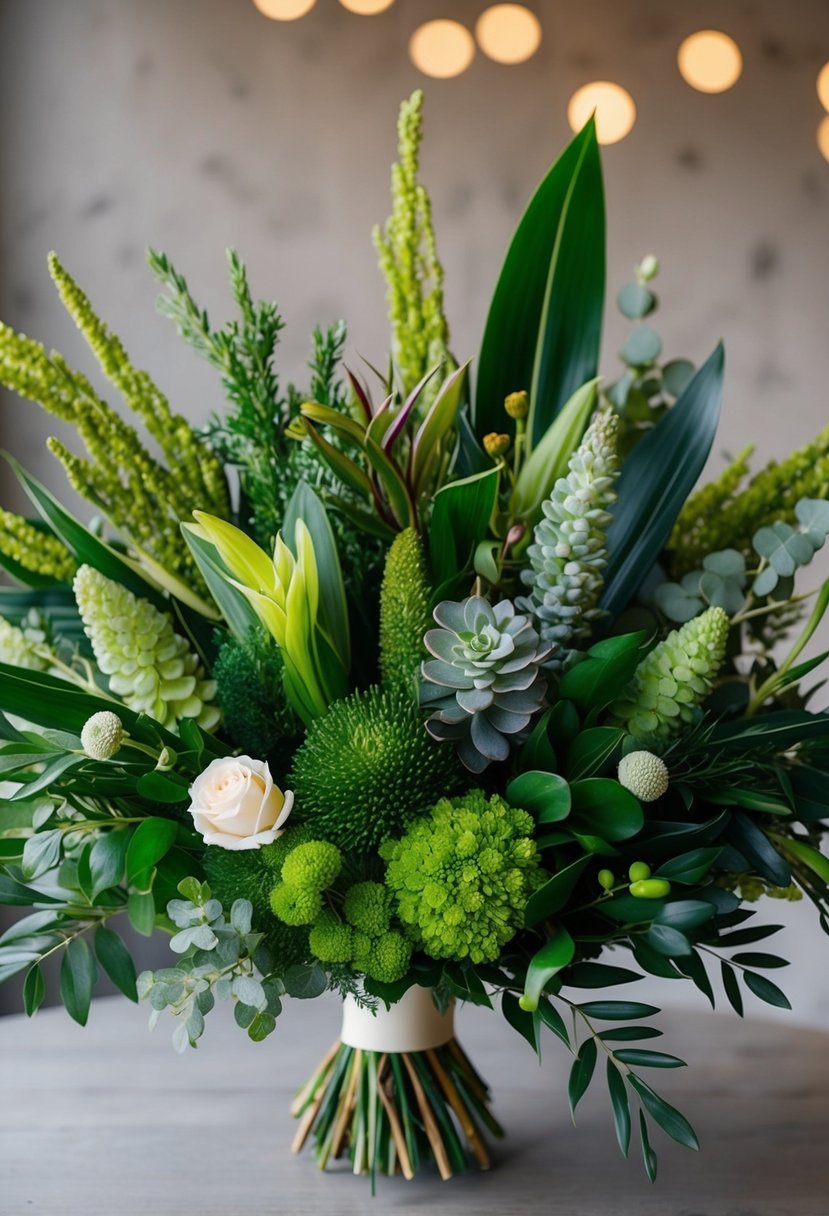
404, 610
251, 695
247, 874
461, 878
367, 767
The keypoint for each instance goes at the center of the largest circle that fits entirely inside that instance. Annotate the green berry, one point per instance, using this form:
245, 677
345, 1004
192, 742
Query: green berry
650, 888
527, 1003
607, 880
639, 871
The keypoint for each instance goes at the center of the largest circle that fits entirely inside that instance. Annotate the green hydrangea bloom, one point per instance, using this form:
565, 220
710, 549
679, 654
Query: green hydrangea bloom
312, 866
671, 681
331, 941
461, 878
150, 667
368, 907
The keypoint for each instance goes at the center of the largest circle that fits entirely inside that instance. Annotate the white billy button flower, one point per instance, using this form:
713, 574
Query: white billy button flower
235, 804
102, 735
644, 774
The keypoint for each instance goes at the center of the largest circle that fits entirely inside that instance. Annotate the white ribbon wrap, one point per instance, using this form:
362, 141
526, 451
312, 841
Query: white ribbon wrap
413, 1024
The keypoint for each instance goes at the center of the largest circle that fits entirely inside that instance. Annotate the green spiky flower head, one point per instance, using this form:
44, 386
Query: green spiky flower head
404, 610
149, 666
672, 680
366, 767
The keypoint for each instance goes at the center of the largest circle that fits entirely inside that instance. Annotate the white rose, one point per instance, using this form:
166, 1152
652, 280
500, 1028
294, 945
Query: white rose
235, 804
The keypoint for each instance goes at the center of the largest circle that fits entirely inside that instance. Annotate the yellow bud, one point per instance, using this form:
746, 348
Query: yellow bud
517, 405
495, 444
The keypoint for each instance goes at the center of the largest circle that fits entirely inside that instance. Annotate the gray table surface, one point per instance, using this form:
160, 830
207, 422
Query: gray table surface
108, 1120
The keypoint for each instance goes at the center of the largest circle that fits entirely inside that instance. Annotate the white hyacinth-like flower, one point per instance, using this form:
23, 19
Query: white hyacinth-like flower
644, 774
568, 556
148, 664
102, 735
26, 647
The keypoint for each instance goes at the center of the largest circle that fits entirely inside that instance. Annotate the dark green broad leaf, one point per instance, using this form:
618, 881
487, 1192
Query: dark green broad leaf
602, 807
752, 958
46, 779
305, 981
694, 968
552, 897
595, 751
162, 787
262, 1025
581, 1073
667, 1116
627, 909
152, 839
553, 1020
543, 331
617, 1011
460, 521
732, 988
748, 937
538, 752
34, 990
656, 479
527, 1024
605, 672
668, 941
107, 861
652, 961
17, 895
758, 850
689, 868
638, 1057
685, 914
141, 912
599, 975
771, 732
78, 974
116, 961
620, 1106
766, 990
811, 790
630, 1034
648, 1155
390, 994
546, 796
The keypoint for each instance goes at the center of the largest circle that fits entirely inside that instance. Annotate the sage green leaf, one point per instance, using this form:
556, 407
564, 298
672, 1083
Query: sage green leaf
656, 479
621, 1106
635, 301
668, 941
544, 325
643, 345
676, 375
78, 974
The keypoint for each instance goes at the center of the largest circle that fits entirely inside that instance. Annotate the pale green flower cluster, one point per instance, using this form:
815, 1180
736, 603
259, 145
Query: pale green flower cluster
569, 554
149, 666
27, 647
35, 550
410, 264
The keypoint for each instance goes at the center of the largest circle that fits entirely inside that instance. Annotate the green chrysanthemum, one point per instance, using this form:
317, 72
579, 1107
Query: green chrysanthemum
331, 941
461, 878
404, 610
368, 908
366, 768
569, 553
149, 666
672, 680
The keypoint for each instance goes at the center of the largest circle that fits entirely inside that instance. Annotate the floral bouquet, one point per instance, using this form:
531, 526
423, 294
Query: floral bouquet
415, 693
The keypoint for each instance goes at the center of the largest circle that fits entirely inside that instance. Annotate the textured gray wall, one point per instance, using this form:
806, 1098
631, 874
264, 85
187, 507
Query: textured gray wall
194, 124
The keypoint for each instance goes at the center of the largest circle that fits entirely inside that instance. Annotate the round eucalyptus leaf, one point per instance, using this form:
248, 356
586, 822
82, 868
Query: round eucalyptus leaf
635, 301
641, 346
813, 514
677, 603
783, 548
728, 563
676, 374
765, 582
722, 592
618, 391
